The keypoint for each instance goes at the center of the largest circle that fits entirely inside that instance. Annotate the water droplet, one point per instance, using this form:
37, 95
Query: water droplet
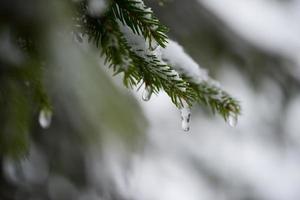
185, 125
45, 118
147, 93
232, 120
185, 116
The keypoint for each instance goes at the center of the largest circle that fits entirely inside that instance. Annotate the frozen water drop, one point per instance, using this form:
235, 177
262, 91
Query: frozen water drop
147, 93
45, 118
185, 116
232, 120
185, 125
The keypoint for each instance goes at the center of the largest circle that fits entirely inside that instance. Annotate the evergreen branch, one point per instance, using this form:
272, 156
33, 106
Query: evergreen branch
141, 65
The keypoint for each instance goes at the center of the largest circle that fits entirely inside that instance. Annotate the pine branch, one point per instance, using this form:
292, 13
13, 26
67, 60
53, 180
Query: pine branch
141, 64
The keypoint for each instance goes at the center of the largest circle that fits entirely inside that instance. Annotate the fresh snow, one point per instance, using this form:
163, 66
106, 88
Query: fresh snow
183, 63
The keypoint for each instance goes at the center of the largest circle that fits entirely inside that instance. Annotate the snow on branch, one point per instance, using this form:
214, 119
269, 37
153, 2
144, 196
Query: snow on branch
208, 91
134, 42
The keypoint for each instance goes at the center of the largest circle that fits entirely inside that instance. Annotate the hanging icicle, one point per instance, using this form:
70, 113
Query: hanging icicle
147, 93
185, 116
232, 120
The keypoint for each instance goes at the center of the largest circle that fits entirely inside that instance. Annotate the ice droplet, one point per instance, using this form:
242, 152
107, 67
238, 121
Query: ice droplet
45, 118
185, 116
147, 93
185, 125
232, 120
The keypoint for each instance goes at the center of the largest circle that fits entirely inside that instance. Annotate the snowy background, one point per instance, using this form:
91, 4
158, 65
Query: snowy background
252, 47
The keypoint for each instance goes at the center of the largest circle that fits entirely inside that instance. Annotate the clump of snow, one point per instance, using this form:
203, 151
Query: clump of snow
136, 42
183, 63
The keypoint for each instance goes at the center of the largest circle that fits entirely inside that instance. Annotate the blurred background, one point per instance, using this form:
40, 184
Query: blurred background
105, 143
